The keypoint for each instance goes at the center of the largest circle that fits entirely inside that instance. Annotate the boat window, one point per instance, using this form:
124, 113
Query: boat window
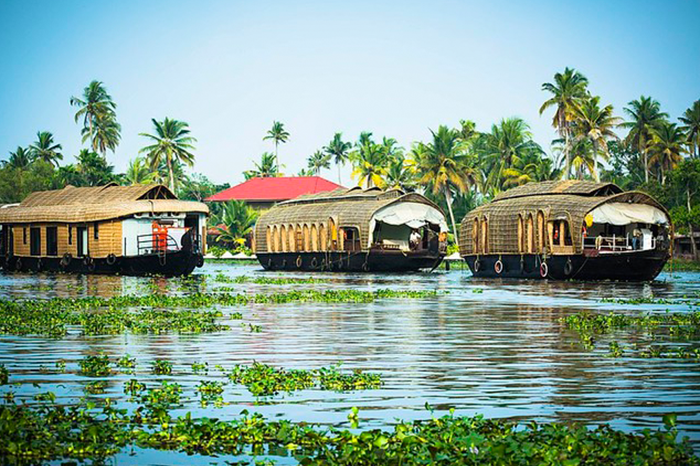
530, 235
566, 234
299, 239
307, 238
51, 241
283, 239
82, 233
291, 242
540, 231
35, 241
70, 234
323, 237
334, 240
96, 230
350, 239
24, 235
475, 236
521, 233
314, 238
485, 235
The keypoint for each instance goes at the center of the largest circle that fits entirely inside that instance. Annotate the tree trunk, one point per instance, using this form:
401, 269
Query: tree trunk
448, 198
693, 247
277, 160
596, 176
567, 155
646, 159
339, 182
170, 174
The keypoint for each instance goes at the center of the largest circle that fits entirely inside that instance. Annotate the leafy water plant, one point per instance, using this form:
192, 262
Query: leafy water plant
52, 433
46, 396
95, 366
221, 278
161, 367
98, 386
210, 387
199, 367
332, 379
126, 362
4, 375
134, 387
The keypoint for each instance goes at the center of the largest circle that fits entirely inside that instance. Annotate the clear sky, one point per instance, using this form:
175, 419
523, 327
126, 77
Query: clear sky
394, 68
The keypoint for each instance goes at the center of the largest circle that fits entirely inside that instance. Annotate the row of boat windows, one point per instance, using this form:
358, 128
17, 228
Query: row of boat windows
533, 234
312, 237
34, 234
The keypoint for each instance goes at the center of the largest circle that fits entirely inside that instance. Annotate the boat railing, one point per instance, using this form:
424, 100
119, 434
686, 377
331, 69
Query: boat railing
156, 244
615, 243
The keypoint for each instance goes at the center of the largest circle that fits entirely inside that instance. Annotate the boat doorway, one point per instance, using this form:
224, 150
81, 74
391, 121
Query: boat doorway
82, 233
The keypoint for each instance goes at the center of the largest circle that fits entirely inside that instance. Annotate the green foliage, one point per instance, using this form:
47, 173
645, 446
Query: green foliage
95, 366
4, 375
266, 168
171, 144
98, 112
95, 387
237, 222
161, 367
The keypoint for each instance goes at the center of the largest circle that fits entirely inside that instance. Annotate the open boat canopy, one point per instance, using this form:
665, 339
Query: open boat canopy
411, 214
621, 213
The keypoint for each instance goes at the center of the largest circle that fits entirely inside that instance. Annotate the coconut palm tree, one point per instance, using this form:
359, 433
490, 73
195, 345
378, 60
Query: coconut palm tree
595, 123
278, 134
443, 164
46, 149
691, 125
399, 175
98, 112
319, 160
508, 141
139, 172
237, 222
568, 90
21, 158
339, 150
171, 143
532, 166
265, 169
369, 161
645, 114
666, 148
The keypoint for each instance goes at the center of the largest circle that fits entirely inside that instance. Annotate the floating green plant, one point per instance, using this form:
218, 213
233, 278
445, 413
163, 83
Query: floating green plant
53, 433
210, 387
221, 278
161, 367
95, 366
126, 362
4, 375
134, 387
199, 367
96, 387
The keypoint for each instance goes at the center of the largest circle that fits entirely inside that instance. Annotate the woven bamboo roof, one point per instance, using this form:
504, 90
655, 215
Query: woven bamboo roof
575, 200
347, 207
77, 205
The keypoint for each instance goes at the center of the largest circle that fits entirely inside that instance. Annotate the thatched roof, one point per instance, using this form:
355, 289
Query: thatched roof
557, 200
77, 205
347, 207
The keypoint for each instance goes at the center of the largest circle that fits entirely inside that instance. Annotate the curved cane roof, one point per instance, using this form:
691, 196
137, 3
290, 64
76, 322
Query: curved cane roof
92, 204
568, 200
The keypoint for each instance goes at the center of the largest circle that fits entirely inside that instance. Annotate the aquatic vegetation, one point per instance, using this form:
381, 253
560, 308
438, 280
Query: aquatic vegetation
157, 313
615, 350
221, 278
126, 362
95, 366
60, 366
52, 433
134, 387
236, 316
4, 375
210, 388
96, 387
264, 380
46, 396
161, 367
198, 367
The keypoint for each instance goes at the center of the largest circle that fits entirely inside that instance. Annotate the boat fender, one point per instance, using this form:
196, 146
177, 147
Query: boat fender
568, 267
477, 265
498, 267
298, 262
18, 264
111, 259
522, 264
314, 263
323, 264
270, 263
365, 267
162, 260
544, 270
87, 261
38, 265
200, 260
66, 260
91, 266
284, 263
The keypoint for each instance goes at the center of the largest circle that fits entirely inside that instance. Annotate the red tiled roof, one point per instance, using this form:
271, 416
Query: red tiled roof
274, 189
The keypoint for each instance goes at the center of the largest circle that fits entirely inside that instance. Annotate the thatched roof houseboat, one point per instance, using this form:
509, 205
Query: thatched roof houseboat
567, 230
352, 230
104, 229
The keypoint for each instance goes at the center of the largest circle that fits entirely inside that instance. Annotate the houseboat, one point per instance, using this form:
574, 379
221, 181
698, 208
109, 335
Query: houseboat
135, 230
567, 230
354, 230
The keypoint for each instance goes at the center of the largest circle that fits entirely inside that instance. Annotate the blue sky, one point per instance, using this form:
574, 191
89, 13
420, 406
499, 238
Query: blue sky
394, 68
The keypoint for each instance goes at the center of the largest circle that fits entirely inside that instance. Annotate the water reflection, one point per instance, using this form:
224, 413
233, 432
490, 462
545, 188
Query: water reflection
495, 347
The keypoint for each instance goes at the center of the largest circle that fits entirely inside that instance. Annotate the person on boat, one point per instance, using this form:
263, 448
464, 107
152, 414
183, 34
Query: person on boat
599, 241
636, 236
414, 239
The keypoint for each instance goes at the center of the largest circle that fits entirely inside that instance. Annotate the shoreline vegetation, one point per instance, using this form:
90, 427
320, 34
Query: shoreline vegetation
459, 167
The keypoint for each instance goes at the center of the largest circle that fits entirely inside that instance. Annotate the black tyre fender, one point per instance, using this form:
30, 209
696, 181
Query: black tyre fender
111, 259
270, 264
87, 261
544, 270
298, 262
498, 267
18, 264
314, 263
200, 260
365, 267
66, 260
38, 265
477, 265
568, 267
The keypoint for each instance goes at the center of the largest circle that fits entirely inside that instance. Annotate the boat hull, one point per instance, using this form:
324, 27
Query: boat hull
627, 266
350, 261
173, 264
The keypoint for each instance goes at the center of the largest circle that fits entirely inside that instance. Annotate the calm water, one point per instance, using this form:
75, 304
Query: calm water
490, 347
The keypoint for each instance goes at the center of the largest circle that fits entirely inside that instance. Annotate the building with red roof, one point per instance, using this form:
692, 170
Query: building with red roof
262, 193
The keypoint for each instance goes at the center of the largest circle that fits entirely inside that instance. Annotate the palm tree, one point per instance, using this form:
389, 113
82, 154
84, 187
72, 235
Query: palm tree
533, 166
581, 155
667, 147
339, 150
369, 161
238, 220
319, 160
172, 143
21, 158
46, 149
596, 124
139, 172
400, 176
645, 114
98, 112
568, 90
691, 125
266, 168
278, 135
507, 142
443, 164
93, 168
